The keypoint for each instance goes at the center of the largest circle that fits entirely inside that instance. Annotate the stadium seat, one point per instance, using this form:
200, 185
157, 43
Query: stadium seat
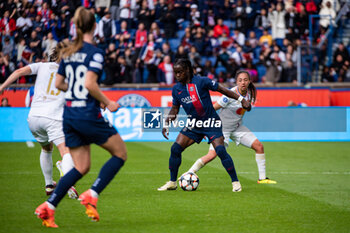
174, 44
145, 74
180, 33
232, 49
256, 52
258, 32
132, 33
228, 23
185, 24
212, 59
261, 71
204, 60
220, 69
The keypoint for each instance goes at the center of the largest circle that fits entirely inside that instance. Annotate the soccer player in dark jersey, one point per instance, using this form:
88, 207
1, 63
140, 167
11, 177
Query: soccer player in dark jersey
192, 92
231, 116
83, 123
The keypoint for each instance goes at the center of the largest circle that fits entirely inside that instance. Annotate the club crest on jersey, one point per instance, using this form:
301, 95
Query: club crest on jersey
225, 100
98, 57
191, 88
240, 111
134, 100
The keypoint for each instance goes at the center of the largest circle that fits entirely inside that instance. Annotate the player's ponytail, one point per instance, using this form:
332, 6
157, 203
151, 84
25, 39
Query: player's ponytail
253, 92
84, 21
251, 86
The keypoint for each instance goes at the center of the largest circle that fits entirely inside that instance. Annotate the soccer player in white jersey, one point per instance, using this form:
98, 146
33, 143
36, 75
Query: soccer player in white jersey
231, 116
45, 117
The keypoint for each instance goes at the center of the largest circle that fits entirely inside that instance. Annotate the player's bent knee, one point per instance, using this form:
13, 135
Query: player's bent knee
82, 170
258, 146
176, 150
47, 148
122, 156
211, 155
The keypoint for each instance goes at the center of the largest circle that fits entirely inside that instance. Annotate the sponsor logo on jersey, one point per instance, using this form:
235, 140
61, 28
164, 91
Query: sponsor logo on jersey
189, 99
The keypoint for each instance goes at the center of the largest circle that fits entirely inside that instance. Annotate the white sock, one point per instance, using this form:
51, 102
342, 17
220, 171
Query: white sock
46, 166
50, 205
196, 166
260, 161
93, 193
67, 163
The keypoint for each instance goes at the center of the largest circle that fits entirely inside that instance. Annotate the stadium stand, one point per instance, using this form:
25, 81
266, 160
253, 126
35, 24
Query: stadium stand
277, 41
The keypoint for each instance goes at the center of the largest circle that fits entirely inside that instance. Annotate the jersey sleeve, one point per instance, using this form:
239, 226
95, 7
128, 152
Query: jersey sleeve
210, 84
176, 102
96, 63
34, 67
61, 69
224, 101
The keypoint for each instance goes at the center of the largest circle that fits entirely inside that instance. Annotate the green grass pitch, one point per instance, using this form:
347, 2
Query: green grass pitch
312, 194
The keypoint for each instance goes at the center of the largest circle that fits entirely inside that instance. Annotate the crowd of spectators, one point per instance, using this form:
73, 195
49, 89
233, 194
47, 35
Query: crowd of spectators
142, 38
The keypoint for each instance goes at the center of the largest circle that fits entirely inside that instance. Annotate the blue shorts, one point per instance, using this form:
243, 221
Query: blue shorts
85, 132
198, 134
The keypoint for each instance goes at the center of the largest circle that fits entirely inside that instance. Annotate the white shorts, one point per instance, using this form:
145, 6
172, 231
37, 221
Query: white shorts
46, 130
242, 135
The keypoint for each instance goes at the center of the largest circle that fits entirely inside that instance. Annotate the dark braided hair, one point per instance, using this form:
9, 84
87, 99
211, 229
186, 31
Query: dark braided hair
185, 63
251, 86
56, 55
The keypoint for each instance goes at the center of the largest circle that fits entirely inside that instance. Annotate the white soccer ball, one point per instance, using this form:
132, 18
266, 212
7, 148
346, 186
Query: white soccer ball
189, 181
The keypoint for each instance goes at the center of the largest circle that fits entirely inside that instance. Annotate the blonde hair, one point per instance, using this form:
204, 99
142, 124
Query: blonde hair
56, 54
84, 21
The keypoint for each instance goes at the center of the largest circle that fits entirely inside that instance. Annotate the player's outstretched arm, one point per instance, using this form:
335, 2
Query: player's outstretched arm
14, 76
94, 90
171, 116
217, 106
231, 94
60, 84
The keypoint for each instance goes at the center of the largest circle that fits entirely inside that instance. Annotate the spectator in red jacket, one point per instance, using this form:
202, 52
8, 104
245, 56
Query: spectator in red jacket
220, 28
165, 74
7, 25
45, 13
141, 36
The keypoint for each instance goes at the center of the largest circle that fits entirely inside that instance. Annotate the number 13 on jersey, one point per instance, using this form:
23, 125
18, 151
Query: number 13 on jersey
49, 89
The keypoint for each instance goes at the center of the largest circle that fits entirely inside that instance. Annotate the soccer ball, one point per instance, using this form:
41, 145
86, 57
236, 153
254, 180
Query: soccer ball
189, 181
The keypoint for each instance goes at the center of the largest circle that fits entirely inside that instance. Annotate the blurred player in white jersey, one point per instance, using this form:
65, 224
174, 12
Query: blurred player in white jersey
45, 117
231, 116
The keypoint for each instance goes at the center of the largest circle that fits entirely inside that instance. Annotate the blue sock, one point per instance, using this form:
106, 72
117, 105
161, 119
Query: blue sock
67, 181
107, 173
175, 160
227, 162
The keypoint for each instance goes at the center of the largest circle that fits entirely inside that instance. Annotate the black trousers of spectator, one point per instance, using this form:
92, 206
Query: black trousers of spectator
152, 73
